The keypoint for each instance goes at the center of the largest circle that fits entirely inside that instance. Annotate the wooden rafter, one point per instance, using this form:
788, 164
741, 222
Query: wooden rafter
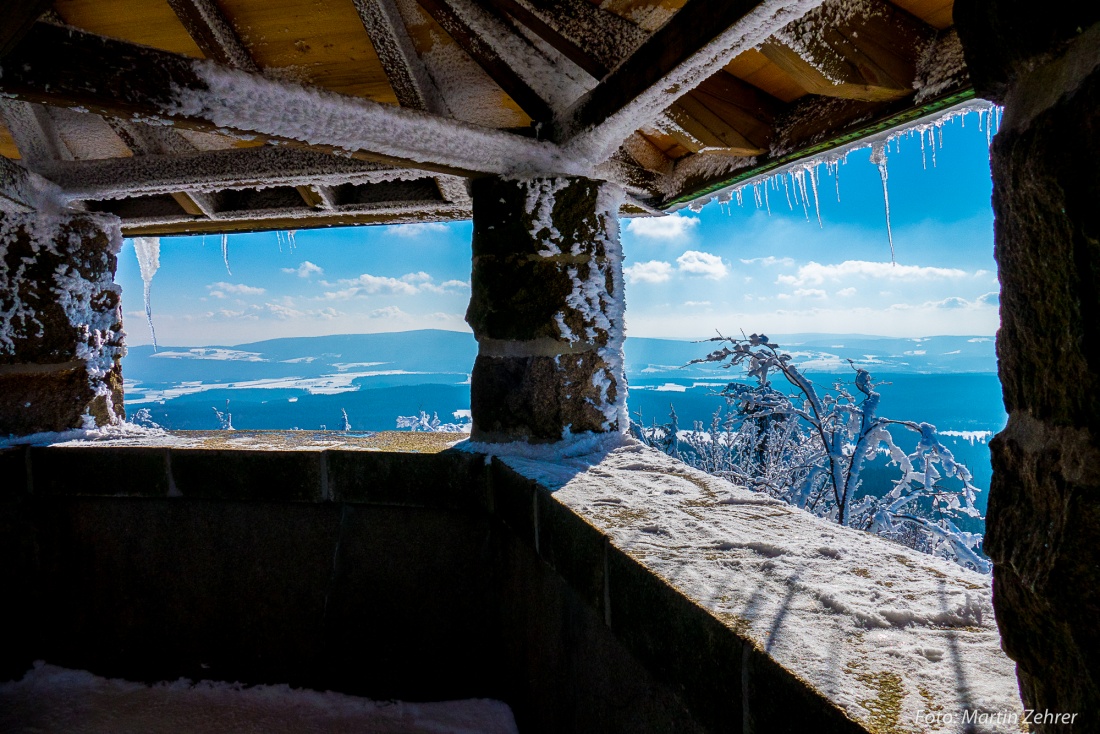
17, 19
24, 191
488, 58
427, 213
212, 33
867, 51
34, 133
113, 78
593, 39
408, 78
697, 41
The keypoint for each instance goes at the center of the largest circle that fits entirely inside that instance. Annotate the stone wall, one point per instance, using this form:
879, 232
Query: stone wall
1043, 523
547, 309
61, 339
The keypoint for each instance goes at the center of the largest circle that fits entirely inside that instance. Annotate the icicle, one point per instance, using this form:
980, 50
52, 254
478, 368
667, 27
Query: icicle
878, 157
225, 253
836, 180
290, 239
817, 203
739, 202
923, 159
787, 191
756, 195
800, 179
279, 240
767, 203
148, 257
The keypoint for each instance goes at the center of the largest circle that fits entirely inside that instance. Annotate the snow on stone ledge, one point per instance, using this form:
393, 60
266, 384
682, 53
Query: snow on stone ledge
53, 699
890, 635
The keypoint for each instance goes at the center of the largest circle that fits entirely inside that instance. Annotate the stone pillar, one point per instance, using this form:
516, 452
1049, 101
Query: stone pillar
547, 309
1043, 528
61, 339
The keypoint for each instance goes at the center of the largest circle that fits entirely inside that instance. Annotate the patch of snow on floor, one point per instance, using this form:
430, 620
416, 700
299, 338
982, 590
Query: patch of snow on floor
54, 699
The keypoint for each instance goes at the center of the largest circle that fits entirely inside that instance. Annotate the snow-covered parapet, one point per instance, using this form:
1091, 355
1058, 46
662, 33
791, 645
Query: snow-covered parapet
894, 639
547, 309
61, 338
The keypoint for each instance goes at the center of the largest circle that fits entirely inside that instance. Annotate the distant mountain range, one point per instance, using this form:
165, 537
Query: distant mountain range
334, 364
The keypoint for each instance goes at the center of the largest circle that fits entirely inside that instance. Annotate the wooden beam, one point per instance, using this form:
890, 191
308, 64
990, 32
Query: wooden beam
17, 19
594, 39
866, 50
117, 79
694, 44
709, 129
812, 125
408, 78
212, 171
322, 219
488, 57
212, 33
22, 191
34, 133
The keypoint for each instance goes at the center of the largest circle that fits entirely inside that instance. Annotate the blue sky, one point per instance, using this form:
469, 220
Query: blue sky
726, 267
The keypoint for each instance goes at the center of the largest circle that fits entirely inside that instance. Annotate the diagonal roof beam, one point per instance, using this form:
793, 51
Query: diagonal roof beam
408, 78
592, 38
34, 133
23, 191
19, 16
510, 60
699, 40
72, 69
212, 33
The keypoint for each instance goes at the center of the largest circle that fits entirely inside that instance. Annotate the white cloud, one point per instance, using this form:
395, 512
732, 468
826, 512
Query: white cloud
420, 277
810, 293
952, 302
224, 290
408, 284
305, 270
654, 271
846, 292
672, 227
705, 264
990, 299
814, 273
389, 312
769, 260
696, 304
416, 230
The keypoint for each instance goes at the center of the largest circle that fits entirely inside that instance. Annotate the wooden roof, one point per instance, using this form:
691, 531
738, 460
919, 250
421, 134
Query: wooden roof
326, 112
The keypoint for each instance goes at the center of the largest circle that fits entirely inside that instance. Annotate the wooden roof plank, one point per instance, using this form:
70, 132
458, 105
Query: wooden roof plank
868, 50
34, 133
212, 33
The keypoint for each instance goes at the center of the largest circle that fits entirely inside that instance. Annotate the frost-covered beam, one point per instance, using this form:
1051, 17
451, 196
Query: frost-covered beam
485, 38
856, 49
407, 75
215, 170
24, 191
34, 133
212, 33
699, 40
18, 17
118, 79
594, 39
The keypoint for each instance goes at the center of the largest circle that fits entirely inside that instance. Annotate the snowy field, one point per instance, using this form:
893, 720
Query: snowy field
53, 700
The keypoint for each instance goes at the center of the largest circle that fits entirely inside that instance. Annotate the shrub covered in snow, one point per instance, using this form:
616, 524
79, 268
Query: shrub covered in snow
432, 424
810, 449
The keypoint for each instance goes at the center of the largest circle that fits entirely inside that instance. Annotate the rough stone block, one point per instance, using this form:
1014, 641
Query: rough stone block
537, 397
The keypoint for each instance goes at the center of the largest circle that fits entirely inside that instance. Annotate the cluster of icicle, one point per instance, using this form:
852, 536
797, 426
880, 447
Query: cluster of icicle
797, 180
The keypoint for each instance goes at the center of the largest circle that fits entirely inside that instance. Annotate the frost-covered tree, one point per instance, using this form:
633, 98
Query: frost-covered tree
225, 420
810, 449
431, 424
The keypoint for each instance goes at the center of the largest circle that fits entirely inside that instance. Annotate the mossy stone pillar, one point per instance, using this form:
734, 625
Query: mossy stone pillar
547, 309
61, 339
1043, 529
